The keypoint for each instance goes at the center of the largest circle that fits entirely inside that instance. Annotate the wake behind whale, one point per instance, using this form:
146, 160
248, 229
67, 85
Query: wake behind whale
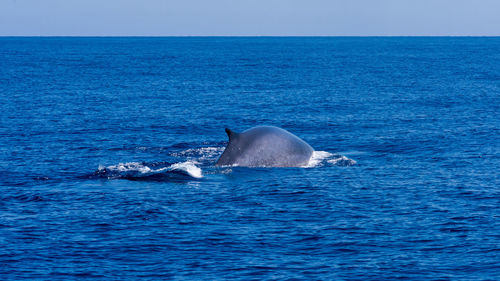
263, 146
150, 171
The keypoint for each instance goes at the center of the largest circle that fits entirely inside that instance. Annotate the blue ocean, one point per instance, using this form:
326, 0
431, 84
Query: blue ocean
108, 149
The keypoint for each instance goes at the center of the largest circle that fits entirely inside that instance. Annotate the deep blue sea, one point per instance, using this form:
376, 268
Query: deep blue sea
108, 145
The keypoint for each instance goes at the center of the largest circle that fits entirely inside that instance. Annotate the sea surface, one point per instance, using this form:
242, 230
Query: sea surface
108, 145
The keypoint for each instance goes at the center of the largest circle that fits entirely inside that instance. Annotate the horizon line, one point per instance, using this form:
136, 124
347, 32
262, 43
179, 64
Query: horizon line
187, 36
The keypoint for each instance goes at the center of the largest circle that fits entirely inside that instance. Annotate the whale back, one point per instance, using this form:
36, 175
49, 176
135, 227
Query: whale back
265, 146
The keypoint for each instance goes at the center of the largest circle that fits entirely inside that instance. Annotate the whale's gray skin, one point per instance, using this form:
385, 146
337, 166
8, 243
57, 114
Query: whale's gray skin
265, 146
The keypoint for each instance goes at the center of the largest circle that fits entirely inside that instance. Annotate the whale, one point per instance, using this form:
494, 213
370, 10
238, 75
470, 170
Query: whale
265, 146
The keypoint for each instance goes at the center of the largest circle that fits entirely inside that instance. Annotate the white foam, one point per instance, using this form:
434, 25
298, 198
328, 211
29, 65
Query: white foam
318, 158
128, 167
137, 169
188, 167
341, 159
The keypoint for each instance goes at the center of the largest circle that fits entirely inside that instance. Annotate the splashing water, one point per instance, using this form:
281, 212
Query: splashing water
191, 163
320, 158
136, 170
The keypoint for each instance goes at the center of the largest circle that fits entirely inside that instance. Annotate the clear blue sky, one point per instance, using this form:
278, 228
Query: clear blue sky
249, 17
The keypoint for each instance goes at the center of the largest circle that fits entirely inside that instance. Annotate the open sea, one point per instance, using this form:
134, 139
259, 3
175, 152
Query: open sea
108, 145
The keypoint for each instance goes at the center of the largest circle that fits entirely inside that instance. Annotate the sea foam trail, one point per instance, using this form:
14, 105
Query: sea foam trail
189, 167
209, 155
319, 158
136, 170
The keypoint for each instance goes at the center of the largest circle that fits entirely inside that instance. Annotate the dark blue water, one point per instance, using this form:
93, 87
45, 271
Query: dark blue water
107, 148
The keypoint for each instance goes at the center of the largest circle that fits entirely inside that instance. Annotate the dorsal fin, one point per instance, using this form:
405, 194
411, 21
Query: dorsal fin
231, 134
